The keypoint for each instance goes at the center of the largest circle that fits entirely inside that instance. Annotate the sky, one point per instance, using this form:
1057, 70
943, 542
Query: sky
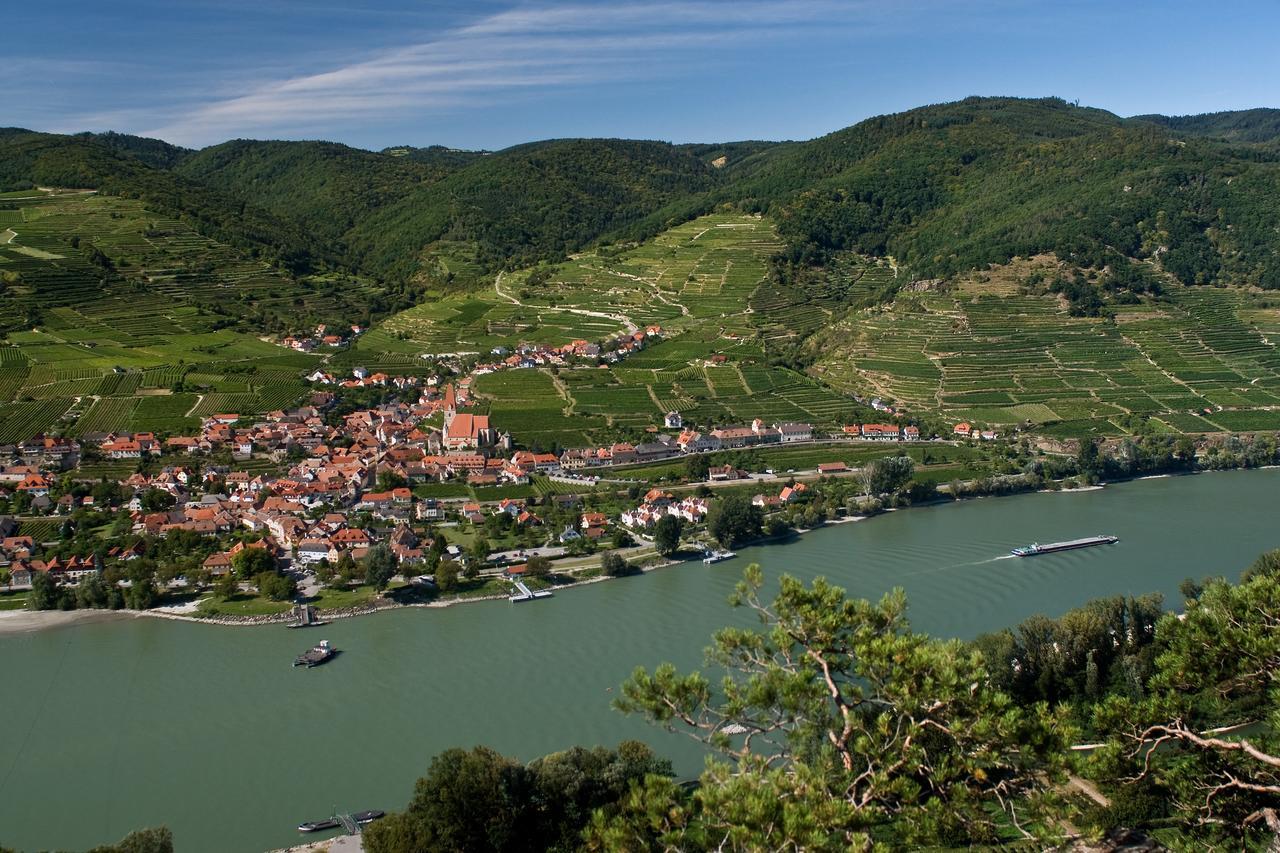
488, 74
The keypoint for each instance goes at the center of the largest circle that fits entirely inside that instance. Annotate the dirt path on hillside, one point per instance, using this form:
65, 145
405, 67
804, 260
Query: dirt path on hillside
626, 321
8, 236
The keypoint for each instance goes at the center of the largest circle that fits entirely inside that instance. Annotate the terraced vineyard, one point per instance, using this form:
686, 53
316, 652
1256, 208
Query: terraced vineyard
705, 282
1197, 360
128, 339
703, 271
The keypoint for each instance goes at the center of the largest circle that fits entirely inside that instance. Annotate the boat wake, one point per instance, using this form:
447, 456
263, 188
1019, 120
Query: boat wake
958, 565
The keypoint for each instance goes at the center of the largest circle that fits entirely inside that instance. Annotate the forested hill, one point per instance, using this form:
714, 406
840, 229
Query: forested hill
328, 187
387, 210
1258, 125
959, 186
115, 164
534, 201
943, 189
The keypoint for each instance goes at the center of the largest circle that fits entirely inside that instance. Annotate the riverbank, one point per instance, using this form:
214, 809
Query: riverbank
27, 621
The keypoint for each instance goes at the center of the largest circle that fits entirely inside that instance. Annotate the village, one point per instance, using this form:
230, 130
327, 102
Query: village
403, 479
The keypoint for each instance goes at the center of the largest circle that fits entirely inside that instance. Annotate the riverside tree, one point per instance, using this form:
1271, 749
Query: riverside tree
733, 520
887, 475
615, 565
666, 535
252, 561
837, 718
380, 566
447, 576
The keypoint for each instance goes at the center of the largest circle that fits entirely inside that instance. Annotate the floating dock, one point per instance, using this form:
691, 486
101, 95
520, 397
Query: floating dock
717, 556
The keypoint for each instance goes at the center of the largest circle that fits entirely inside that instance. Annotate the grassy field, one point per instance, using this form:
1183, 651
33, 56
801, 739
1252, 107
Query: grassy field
243, 604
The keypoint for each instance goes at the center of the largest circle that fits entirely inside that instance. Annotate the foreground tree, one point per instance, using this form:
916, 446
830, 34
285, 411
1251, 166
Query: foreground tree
157, 840
538, 566
1221, 663
615, 565
479, 800
447, 576
838, 718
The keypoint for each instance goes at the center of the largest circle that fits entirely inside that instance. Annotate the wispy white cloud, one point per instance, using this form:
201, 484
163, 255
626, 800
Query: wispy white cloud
540, 48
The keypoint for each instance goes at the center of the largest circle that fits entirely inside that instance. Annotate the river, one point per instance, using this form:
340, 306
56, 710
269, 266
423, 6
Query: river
114, 726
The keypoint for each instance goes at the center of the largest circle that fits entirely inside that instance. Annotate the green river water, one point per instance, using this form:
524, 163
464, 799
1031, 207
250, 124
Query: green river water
113, 726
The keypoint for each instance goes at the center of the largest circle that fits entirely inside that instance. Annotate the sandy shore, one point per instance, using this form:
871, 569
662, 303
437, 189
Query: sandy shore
27, 621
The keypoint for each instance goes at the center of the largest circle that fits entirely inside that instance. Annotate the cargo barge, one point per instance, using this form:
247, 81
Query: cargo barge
1036, 549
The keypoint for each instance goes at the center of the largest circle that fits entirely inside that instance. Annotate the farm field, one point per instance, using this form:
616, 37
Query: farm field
1198, 360
133, 337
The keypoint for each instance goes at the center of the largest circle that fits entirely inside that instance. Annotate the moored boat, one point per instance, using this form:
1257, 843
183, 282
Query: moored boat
316, 655
1035, 549
319, 825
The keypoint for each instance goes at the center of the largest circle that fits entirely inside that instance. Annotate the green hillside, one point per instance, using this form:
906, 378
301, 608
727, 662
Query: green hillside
329, 187
29, 159
880, 259
530, 203
954, 187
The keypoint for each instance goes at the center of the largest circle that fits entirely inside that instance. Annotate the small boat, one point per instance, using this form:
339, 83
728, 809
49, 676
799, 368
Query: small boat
1035, 549
315, 655
319, 825
368, 816
717, 556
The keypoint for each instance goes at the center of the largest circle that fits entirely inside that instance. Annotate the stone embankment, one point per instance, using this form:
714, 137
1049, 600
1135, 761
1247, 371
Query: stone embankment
278, 618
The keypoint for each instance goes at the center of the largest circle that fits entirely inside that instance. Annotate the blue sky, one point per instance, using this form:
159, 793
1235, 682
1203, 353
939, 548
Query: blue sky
490, 74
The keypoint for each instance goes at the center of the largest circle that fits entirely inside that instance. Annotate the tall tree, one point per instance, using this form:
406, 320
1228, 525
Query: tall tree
380, 566
666, 535
733, 519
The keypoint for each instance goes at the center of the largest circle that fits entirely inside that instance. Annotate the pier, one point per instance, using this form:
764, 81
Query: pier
523, 593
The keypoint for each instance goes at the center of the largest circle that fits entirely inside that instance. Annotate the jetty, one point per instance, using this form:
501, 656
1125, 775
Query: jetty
304, 616
523, 593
